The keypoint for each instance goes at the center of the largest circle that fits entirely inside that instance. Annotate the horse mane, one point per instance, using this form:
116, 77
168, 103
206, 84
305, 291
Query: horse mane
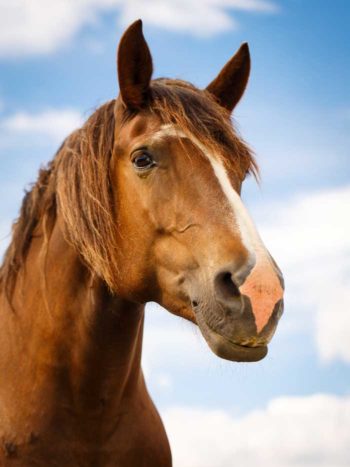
76, 183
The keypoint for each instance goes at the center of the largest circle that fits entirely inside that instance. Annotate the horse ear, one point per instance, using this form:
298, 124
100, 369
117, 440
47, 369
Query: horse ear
228, 87
134, 67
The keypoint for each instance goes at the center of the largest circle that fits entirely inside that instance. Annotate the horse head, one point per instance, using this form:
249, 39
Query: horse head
185, 239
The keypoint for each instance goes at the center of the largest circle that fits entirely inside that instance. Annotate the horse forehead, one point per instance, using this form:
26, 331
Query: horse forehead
214, 162
139, 126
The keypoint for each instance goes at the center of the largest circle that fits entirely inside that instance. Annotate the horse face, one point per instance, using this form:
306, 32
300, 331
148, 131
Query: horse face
186, 239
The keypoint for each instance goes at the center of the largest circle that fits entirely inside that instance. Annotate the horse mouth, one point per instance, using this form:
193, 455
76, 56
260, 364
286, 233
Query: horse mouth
227, 349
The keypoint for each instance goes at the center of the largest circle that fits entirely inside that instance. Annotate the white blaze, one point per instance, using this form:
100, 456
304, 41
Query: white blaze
248, 233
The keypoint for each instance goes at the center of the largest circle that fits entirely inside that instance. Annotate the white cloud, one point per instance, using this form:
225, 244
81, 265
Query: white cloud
311, 225
289, 432
41, 27
198, 17
164, 381
309, 236
54, 124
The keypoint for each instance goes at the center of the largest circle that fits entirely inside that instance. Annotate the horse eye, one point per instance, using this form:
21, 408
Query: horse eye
143, 161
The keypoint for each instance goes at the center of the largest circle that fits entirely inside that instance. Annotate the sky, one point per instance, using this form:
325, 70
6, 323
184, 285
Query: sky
57, 64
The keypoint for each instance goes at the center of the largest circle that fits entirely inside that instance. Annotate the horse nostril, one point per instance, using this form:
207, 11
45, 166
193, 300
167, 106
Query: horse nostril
225, 286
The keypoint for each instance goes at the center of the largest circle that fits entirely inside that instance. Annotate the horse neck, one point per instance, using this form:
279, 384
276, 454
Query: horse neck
67, 337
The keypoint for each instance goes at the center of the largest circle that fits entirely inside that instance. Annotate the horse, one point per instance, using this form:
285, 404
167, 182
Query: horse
140, 204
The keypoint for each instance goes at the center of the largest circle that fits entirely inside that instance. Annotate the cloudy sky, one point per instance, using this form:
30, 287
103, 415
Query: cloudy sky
57, 62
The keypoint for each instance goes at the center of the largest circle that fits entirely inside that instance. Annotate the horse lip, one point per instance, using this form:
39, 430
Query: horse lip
227, 349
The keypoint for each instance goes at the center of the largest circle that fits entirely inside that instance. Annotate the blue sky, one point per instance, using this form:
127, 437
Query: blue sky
58, 64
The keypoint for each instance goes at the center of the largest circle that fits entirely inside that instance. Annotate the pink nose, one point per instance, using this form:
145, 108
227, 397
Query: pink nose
263, 288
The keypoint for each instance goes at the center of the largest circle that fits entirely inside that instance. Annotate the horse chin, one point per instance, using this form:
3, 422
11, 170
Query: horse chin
224, 348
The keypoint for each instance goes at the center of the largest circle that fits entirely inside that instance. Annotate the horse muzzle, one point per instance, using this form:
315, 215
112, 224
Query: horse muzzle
238, 316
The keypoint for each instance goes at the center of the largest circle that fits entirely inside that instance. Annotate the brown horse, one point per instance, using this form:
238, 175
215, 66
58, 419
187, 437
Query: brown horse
142, 203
